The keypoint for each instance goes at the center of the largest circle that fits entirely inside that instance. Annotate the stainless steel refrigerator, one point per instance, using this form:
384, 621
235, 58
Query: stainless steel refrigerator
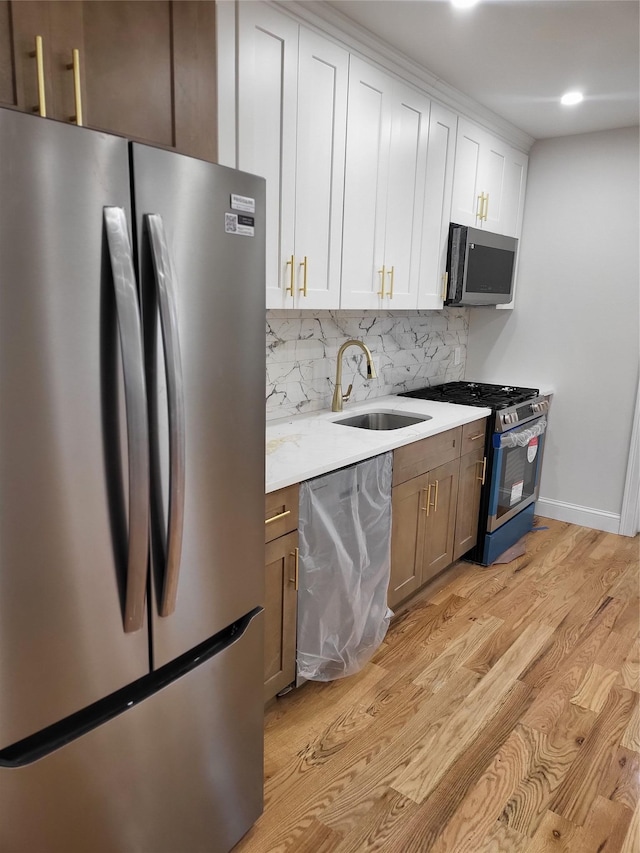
131, 495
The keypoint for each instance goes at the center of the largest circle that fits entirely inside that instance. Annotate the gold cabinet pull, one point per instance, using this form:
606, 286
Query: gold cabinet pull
296, 563
484, 469
435, 502
292, 274
74, 66
480, 206
277, 517
485, 209
425, 508
476, 437
41, 109
382, 274
445, 282
303, 264
390, 274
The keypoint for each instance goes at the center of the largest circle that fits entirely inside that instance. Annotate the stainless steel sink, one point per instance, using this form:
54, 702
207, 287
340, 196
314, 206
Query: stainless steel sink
382, 420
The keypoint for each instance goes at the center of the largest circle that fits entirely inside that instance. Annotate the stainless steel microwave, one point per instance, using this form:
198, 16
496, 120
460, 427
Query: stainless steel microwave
480, 266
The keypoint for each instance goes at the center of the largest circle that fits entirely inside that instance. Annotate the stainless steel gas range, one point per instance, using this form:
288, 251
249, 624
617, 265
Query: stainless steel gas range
513, 448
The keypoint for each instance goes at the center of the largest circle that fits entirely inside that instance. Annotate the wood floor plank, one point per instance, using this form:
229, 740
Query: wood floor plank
457, 652
377, 831
593, 691
631, 735
630, 843
621, 782
503, 839
440, 749
376, 776
605, 828
576, 794
481, 807
551, 758
628, 623
555, 835
586, 633
436, 811
630, 670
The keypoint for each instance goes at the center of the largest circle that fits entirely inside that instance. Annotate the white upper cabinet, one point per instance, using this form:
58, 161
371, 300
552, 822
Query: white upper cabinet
364, 173
437, 206
387, 136
489, 181
292, 103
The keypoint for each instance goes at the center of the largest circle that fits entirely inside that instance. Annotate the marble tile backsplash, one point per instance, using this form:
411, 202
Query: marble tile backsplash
410, 350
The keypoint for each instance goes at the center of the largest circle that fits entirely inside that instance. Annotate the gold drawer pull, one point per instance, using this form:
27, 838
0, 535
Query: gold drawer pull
278, 516
74, 66
304, 264
292, 275
476, 437
296, 577
41, 109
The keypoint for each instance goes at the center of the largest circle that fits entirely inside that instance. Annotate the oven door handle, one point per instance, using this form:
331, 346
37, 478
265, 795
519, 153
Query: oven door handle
520, 436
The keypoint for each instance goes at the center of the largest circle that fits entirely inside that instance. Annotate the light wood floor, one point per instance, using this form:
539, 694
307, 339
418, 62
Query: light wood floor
501, 714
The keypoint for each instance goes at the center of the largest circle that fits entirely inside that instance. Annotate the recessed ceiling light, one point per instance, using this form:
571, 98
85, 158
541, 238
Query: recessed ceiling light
464, 4
570, 98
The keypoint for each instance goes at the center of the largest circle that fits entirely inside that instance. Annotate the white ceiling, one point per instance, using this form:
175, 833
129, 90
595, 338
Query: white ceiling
517, 57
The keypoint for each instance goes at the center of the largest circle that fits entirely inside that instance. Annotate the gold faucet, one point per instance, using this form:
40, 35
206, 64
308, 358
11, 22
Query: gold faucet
338, 396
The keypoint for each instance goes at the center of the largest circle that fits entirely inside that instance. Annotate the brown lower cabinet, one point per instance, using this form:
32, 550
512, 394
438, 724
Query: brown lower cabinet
435, 499
281, 589
145, 70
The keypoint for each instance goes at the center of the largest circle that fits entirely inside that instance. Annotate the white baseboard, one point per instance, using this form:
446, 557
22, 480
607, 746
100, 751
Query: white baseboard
574, 514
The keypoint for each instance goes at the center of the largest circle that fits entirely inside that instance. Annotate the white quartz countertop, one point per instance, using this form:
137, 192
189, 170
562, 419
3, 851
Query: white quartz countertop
306, 446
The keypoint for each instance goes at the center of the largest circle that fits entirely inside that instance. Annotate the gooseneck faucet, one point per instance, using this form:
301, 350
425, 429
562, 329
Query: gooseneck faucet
338, 396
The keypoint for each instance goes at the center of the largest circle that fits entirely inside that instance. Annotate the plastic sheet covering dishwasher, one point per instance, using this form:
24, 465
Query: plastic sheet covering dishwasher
345, 559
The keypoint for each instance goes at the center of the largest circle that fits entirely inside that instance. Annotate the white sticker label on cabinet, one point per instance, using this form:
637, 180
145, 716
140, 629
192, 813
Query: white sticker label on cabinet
243, 202
532, 449
516, 492
235, 223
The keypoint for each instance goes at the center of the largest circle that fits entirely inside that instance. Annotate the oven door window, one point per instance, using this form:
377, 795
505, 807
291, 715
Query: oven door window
516, 468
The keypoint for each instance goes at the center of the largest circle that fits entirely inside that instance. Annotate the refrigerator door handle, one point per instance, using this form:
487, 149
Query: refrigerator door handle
128, 312
175, 402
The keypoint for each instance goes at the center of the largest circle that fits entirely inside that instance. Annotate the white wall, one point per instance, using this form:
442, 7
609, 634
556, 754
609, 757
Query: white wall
575, 325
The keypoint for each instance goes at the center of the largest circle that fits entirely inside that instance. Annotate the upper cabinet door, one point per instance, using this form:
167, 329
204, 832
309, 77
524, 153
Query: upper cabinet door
365, 192
405, 197
466, 203
267, 96
437, 206
489, 181
323, 73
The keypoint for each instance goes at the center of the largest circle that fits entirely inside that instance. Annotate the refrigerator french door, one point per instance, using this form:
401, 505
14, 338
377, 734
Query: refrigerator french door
131, 435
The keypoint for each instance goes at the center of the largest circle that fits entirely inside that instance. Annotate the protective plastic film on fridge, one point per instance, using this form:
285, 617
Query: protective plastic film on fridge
131, 495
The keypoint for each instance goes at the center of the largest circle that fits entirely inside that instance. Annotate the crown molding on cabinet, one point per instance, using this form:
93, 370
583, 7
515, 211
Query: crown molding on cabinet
355, 38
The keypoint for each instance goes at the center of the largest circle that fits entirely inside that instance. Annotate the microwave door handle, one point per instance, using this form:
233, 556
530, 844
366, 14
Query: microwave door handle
128, 312
165, 286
